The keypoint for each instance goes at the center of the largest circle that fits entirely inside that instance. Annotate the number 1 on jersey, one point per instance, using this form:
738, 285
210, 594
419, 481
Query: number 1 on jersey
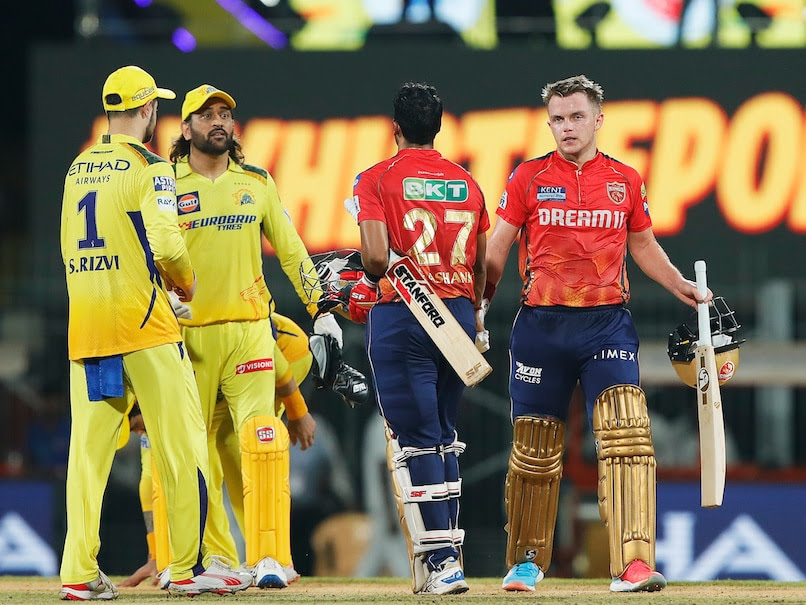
87, 204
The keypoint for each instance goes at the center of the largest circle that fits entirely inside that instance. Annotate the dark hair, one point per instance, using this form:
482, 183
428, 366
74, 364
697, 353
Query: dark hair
181, 148
418, 111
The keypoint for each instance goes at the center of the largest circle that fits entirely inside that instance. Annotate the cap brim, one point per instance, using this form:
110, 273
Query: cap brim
164, 93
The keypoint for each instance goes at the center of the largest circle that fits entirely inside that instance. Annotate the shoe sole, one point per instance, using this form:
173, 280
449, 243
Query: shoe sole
271, 581
517, 587
651, 584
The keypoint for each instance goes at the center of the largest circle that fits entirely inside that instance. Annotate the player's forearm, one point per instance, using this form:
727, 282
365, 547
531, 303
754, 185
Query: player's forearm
654, 262
374, 247
480, 268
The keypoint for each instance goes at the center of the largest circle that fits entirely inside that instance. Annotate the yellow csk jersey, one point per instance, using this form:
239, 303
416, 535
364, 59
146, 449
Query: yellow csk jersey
119, 239
222, 222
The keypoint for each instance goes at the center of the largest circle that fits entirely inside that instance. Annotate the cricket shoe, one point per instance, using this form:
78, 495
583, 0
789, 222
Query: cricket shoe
218, 578
291, 574
448, 578
522, 577
269, 573
164, 578
100, 589
638, 577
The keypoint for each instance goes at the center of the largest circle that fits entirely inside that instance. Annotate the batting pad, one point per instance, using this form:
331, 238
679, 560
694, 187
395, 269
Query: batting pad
626, 475
266, 489
532, 490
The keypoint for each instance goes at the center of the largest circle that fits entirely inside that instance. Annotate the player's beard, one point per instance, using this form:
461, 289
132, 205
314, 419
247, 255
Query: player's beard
152, 126
207, 145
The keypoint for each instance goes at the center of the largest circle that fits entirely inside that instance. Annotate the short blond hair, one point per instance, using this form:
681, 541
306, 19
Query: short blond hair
572, 85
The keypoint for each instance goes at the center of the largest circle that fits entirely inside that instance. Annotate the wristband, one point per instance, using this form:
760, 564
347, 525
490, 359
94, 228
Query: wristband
372, 277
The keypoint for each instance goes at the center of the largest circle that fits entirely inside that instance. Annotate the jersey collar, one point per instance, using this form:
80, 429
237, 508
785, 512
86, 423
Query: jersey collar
120, 138
568, 165
182, 167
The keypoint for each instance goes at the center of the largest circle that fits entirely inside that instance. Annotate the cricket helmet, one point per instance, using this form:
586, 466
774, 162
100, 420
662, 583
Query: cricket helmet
683, 344
333, 276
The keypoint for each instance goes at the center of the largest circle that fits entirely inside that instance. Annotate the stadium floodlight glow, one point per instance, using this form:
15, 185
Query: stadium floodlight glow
183, 40
256, 24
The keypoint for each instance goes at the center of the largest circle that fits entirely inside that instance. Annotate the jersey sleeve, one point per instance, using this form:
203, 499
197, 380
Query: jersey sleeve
367, 194
639, 219
512, 207
287, 244
158, 209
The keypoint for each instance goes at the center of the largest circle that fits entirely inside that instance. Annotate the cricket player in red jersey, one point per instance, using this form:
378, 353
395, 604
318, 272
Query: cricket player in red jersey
578, 211
420, 204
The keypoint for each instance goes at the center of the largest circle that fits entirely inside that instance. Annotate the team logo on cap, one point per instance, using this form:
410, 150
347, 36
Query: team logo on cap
617, 192
265, 434
188, 202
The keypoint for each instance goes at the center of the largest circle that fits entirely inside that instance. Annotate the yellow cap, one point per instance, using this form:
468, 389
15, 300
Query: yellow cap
196, 98
132, 87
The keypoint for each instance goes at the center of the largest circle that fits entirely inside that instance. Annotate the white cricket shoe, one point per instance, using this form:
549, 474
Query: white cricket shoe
448, 578
269, 573
99, 589
218, 578
291, 574
164, 578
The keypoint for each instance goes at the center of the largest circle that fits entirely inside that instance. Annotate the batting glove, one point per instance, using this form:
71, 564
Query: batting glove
327, 324
181, 310
362, 298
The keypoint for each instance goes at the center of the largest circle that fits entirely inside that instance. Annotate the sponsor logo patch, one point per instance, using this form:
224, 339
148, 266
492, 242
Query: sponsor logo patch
434, 190
529, 374
617, 192
166, 202
550, 194
164, 183
530, 554
188, 202
726, 371
502, 203
256, 365
265, 434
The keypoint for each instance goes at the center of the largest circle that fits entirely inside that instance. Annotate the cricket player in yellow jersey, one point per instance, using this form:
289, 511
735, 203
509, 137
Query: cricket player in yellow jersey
224, 205
121, 249
293, 360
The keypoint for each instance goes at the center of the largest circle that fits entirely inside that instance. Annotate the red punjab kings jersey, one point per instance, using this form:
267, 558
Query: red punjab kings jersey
433, 210
119, 238
222, 222
574, 223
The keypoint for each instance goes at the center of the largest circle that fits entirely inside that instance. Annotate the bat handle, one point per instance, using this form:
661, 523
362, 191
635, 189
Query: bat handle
703, 314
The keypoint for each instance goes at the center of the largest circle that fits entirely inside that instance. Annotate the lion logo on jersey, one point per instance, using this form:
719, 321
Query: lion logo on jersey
243, 197
617, 192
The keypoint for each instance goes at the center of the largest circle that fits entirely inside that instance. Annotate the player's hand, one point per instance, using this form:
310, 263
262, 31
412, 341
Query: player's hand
687, 292
302, 431
362, 298
482, 334
181, 310
327, 324
183, 295
149, 570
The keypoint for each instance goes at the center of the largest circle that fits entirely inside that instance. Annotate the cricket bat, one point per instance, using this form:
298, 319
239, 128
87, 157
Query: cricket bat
709, 405
441, 326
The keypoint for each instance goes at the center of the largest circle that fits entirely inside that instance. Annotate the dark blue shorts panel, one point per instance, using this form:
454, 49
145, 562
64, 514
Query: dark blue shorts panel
552, 349
418, 391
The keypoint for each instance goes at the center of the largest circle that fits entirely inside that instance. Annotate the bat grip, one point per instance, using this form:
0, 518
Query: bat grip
703, 314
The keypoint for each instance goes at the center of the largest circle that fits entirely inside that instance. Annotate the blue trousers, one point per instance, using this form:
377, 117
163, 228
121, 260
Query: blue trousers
553, 348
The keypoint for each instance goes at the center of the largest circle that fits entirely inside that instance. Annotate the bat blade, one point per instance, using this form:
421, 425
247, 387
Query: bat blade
441, 326
712, 428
